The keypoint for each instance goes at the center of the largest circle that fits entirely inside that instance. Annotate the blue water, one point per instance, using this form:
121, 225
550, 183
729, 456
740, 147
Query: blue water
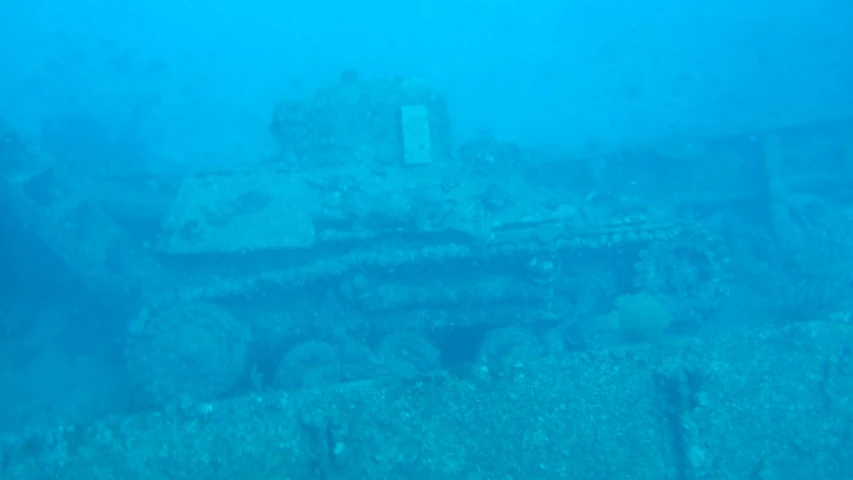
733, 116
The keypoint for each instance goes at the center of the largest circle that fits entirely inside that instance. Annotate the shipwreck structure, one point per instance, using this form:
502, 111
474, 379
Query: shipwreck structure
374, 250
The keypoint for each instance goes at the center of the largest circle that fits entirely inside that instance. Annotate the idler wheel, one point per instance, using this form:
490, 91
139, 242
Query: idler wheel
186, 352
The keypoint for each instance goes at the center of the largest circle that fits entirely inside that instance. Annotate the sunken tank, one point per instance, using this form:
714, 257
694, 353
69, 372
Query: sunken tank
373, 246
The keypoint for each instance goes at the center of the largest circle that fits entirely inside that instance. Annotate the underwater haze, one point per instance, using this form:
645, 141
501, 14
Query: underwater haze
464, 240
195, 82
